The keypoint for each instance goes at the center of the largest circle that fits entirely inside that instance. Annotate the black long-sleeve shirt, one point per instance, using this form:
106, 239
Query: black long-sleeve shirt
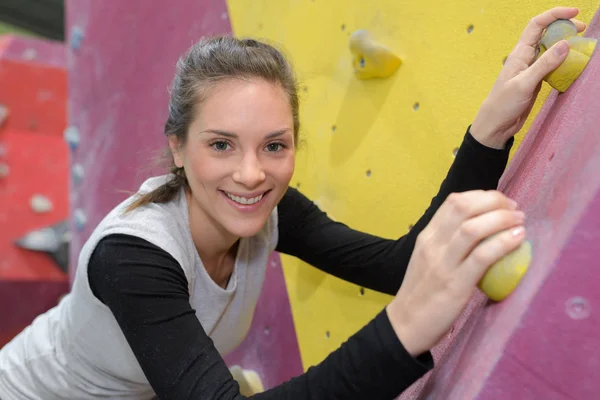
151, 302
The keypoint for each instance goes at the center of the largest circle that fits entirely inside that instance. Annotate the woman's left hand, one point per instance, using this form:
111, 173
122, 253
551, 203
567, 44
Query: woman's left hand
511, 99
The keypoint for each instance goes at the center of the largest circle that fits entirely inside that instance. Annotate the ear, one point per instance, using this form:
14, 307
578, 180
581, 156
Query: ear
175, 146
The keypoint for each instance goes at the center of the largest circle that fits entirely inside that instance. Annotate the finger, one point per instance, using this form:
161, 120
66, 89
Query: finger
546, 63
488, 253
473, 231
459, 207
579, 25
533, 32
522, 56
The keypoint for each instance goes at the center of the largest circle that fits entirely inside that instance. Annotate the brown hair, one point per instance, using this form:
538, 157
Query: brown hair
206, 63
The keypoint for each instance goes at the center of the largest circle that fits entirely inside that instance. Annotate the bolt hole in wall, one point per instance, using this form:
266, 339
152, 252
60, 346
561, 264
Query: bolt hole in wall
470, 28
368, 173
362, 291
327, 334
416, 106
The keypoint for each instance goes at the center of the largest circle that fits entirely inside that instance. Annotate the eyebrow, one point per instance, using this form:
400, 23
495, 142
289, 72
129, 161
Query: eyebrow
234, 136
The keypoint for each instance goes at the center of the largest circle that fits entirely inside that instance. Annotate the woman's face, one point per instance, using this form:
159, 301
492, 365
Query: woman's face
239, 155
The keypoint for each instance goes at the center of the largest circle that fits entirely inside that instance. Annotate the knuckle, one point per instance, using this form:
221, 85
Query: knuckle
480, 257
458, 203
469, 231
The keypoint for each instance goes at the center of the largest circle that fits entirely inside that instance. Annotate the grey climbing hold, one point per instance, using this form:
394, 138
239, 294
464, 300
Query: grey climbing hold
40, 204
72, 137
77, 172
53, 240
80, 219
76, 37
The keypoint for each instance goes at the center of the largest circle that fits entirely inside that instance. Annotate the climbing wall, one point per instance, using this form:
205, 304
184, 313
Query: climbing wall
374, 153
118, 102
33, 180
544, 338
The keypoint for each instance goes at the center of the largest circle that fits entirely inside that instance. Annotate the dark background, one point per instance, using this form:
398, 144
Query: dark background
42, 17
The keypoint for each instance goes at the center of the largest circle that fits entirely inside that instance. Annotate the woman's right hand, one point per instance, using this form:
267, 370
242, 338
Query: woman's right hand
450, 257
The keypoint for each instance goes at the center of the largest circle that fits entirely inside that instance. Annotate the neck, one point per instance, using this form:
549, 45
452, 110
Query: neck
216, 247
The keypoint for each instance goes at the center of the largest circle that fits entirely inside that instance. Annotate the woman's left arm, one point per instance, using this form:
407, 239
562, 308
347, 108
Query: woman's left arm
367, 260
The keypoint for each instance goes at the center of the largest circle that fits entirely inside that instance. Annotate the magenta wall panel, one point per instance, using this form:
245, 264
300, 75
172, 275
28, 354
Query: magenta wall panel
543, 342
121, 59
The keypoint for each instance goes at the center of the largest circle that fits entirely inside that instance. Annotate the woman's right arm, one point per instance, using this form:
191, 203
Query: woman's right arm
146, 290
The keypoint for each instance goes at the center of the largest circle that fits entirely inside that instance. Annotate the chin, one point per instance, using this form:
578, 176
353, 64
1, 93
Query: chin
246, 229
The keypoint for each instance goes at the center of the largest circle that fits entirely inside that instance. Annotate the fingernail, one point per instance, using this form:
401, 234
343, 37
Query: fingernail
517, 231
561, 48
513, 204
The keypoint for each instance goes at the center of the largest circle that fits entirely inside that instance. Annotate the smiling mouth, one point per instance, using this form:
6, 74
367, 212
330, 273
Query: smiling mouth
246, 201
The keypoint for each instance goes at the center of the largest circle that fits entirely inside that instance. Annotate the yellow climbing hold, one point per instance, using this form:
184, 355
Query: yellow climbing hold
249, 381
371, 59
504, 276
581, 50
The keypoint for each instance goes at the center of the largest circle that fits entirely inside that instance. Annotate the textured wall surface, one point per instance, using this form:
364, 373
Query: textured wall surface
33, 176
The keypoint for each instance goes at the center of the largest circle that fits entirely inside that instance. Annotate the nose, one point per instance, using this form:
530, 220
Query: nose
250, 172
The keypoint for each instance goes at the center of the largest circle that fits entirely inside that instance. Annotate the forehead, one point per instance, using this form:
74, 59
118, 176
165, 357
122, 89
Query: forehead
244, 106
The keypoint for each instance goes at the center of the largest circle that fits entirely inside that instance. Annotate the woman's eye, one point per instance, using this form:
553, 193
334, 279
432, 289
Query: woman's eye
220, 146
275, 147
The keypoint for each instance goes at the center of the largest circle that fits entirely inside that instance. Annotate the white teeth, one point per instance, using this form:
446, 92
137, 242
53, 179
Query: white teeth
244, 200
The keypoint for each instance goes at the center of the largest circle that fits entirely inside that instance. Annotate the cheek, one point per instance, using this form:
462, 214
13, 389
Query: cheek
202, 170
285, 169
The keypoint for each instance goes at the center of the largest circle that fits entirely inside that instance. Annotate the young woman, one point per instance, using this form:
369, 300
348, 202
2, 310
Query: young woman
169, 279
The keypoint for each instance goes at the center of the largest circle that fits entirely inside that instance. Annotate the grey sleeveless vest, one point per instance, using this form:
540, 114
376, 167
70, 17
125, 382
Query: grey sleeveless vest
76, 350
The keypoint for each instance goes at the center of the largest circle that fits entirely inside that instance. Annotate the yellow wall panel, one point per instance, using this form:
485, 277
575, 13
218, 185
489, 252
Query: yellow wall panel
368, 158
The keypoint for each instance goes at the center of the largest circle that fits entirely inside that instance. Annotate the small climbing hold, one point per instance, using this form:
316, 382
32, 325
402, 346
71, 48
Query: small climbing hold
29, 54
503, 277
80, 219
72, 137
40, 204
249, 381
76, 37
371, 59
581, 49
77, 172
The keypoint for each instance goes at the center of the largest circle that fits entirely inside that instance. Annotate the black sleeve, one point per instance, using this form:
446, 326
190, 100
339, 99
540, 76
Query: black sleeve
367, 260
146, 290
